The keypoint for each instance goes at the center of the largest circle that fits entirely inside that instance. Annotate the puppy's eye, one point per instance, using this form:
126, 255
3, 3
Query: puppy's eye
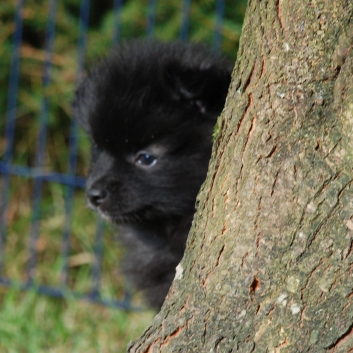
146, 160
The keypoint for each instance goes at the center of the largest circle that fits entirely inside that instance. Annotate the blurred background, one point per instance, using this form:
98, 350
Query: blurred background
60, 284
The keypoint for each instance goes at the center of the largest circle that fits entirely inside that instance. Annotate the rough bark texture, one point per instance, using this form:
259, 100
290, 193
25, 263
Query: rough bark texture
269, 264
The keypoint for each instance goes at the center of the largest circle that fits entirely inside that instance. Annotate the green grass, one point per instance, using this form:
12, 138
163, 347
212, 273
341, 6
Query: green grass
32, 323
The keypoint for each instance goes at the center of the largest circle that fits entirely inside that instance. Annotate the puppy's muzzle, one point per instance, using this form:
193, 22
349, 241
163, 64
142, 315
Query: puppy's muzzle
97, 196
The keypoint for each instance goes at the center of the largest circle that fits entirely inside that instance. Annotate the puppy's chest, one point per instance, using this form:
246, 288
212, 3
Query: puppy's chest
170, 235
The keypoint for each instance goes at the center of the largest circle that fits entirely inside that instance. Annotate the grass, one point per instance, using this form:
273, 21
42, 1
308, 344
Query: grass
32, 323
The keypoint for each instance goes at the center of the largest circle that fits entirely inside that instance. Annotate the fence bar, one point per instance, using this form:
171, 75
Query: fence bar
185, 16
151, 17
41, 141
98, 260
73, 146
34, 173
10, 125
67, 294
217, 34
118, 7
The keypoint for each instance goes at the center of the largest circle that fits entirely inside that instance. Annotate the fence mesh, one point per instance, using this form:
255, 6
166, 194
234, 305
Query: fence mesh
48, 239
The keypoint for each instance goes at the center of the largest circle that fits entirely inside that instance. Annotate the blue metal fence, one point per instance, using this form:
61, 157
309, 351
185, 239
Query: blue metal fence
37, 172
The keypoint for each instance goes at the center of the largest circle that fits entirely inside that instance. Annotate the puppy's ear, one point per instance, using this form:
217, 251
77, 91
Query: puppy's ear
84, 101
206, 89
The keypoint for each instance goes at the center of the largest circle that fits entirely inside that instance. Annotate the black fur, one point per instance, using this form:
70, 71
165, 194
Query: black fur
150, 109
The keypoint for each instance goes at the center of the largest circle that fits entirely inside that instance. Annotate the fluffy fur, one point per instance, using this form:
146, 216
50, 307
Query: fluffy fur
150, 109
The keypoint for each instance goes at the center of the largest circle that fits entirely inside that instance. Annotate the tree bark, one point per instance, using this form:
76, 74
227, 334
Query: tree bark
269, 260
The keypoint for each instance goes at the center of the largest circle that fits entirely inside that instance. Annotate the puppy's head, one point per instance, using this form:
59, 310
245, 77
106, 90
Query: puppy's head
149, 110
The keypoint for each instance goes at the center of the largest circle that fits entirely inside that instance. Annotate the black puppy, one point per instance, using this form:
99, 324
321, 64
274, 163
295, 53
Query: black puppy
150, 109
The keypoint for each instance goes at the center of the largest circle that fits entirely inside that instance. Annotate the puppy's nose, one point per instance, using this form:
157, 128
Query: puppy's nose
97, 196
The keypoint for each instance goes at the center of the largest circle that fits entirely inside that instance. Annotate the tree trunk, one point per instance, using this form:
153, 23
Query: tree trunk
269, 260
